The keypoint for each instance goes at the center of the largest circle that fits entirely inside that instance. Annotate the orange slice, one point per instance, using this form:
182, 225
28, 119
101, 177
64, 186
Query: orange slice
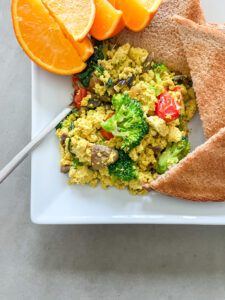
75, 17
84, 48
113, 2
42, 39
138, 13
108, 21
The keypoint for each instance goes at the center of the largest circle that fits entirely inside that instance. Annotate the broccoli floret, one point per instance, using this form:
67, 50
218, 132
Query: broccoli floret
173, 154
128, 122
160, 67
123, 168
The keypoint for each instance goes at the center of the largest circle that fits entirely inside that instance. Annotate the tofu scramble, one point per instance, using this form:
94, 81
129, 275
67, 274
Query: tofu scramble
130, 121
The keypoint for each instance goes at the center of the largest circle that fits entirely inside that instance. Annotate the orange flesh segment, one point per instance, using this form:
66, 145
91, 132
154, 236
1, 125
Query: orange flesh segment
75, 17
120, 26
84, 48
113, 2
108, 21
42, 39
138, 13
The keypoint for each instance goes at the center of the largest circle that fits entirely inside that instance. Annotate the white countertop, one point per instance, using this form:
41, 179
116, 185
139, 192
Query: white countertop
88, 262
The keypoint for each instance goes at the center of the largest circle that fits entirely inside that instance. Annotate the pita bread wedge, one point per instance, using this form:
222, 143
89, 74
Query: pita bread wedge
200, 176
205, 52
162, 37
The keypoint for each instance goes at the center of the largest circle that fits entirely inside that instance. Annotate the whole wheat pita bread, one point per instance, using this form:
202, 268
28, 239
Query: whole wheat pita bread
205, 52
162, 37
200, 176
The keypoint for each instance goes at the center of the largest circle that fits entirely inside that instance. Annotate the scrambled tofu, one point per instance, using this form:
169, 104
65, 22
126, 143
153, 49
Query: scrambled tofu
90, 154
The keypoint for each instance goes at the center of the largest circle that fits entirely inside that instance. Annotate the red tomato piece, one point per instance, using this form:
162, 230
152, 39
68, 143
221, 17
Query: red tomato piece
107, 135
109, 116
75, 80
78, 96
167, 107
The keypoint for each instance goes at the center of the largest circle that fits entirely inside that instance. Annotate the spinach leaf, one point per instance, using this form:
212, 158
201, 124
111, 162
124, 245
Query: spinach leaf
72, 126
76, 162
86, 75
60, 125
109, 83
100, 69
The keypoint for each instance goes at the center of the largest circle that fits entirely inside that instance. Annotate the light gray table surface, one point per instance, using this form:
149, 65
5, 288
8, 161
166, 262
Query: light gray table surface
88, 262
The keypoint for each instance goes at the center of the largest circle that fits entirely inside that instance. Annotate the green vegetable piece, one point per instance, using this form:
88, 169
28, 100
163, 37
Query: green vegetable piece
72, 126
157, 91
99, 68
124, 168
63, 123
183, 124
60, 125
128, 122
160, 67
173, 154
105, 48
86, 75
76, 163
109, 83
69, 145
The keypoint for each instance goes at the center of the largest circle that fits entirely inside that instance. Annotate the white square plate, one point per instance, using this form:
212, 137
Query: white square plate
54, 202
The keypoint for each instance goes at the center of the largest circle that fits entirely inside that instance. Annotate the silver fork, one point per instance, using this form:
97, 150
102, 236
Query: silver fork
16, 161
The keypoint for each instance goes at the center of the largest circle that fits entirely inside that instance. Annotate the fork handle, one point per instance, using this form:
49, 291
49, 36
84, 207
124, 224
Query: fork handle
16, 161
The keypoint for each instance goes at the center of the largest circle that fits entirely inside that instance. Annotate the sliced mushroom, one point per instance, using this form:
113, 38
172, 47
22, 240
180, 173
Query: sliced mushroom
108, 106
94, 103
104, 98
157, 149
148, 63
102, 156
94, 80
121, 82
65, 169
129, 81
180, 79
115, 46
64, 136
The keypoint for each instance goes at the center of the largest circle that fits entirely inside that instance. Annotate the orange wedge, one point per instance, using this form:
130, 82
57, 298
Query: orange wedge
75, 17
84, 48
42, 39
138, 13
108, 21
113, 2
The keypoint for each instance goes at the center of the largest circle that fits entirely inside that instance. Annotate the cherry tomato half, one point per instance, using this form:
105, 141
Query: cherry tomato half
167, 107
